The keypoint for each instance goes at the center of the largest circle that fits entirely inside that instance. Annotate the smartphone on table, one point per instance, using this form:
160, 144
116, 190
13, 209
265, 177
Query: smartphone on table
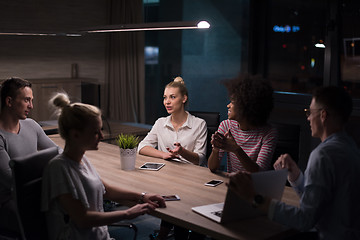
213, 183
173, 197
152, 166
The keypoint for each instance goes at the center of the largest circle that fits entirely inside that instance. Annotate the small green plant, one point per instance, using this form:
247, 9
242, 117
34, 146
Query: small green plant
127, 141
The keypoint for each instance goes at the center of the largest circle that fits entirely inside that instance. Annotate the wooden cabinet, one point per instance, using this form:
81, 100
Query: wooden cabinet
44, 89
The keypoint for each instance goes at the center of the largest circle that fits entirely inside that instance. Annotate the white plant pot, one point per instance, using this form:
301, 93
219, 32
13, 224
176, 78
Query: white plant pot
128, 158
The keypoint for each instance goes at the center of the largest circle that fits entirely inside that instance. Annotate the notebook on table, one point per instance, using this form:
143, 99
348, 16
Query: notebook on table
267, 183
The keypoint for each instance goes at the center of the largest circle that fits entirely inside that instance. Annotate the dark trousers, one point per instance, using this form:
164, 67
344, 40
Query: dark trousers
181, 233
304, 236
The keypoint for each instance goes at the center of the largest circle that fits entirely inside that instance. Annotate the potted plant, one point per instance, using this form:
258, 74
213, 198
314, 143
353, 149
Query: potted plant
128, 148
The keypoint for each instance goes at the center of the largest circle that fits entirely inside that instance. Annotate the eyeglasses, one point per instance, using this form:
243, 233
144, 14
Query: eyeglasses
308, 111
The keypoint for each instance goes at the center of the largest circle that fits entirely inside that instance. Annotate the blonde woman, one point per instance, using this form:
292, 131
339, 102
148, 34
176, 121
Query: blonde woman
180, 135
73, 191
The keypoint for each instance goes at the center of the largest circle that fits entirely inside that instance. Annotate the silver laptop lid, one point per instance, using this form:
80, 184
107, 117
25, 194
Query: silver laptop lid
267, 183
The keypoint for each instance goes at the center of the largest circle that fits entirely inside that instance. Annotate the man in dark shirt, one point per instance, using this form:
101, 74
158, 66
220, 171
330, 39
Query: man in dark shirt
329, 189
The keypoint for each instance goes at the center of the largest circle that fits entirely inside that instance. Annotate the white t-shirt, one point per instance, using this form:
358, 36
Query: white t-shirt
81, 180
191, 135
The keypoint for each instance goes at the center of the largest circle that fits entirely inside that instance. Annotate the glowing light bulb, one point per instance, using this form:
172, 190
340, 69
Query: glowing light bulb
320, 45
203, 24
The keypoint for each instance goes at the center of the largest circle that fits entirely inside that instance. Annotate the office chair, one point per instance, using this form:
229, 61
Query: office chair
6, 234
111, 206
27, 179
212, 120
106, 126
288, 141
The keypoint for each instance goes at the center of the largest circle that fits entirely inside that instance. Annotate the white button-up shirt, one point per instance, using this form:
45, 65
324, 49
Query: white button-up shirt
191, 135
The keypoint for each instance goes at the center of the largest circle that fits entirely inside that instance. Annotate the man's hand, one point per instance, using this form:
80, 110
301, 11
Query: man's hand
241, 183
285, 161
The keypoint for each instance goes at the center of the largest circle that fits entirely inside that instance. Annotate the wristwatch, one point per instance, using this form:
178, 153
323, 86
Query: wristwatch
258, 199
141, 200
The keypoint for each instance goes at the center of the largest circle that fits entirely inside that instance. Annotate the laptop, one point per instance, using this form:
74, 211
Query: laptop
267, 183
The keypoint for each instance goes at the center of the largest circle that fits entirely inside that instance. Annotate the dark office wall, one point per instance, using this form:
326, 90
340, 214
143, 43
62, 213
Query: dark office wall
202, 57
169, 59
51, 57
215, 54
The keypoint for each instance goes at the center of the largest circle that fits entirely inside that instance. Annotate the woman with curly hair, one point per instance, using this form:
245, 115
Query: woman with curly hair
246, 136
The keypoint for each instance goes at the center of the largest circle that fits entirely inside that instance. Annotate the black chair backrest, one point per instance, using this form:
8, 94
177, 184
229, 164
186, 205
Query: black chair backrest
27, 180
212, 120
288, 141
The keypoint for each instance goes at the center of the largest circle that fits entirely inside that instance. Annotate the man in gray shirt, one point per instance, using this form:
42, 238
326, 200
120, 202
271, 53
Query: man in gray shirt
19, 136
329, 189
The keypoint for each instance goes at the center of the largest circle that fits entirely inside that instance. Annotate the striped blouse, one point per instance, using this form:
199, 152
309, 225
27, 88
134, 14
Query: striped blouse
258, 144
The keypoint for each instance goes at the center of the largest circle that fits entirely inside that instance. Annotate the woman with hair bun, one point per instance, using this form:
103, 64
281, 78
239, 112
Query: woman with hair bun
179, 135
73, 192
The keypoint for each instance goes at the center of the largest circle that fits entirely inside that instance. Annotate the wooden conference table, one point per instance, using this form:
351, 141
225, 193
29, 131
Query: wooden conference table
187, 181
